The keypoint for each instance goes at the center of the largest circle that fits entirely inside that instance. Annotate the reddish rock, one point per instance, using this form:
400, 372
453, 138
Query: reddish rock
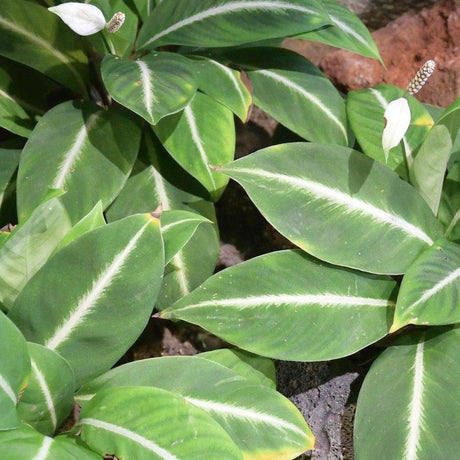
404, 44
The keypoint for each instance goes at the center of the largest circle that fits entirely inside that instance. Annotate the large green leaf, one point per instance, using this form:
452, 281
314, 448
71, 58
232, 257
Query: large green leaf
9, 160
409, 404
431, 288
293, 91
224, 85
48, 398
30, 34
29, 247
157, 85
365, 109
81, 148
161, 181
27, 443
258, 369
94, 296
347, 31
261, 422
200, 136
215, 23
157, 425
338, 205
14, 372
271, 318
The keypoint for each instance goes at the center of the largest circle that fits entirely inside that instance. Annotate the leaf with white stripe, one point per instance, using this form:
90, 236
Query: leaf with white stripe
346, 31
365, 109
159, 180
338, 205
29, 247
177, 228
28, 35
81, 148
430, 290
261, 422
258, 369
158, 425
27, 443
145, 7
271, 318
79, 302
293, 91
449, 212
409, 404
48, 398
200, 136
157, 85
215, 23
224, 85
14, 372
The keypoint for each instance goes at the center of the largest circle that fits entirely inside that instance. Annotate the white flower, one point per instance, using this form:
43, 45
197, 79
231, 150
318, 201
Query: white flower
397, 117
82, 18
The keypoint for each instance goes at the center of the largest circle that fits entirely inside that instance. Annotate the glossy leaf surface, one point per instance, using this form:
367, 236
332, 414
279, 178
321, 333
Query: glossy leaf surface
338, 205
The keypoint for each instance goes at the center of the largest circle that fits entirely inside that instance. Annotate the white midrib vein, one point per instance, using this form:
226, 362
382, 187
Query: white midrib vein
197, 141
44, 449
230, 7
415, 418
147, 91
454, 220
383, 102
437, 287
311, 97
340, 198
227, 410
21, 102
5, 386
90, 298
323, 300
348, 30
71, 156
40, 42
46, 393
131, 435
167, 227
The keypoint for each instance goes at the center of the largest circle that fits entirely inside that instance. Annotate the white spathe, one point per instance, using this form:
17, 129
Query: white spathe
82, 18
397, 119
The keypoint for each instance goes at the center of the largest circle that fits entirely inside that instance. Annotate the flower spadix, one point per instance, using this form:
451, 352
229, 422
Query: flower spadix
397, 119
82, 18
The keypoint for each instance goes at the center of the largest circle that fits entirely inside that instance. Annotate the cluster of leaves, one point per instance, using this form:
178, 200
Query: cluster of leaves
120, 125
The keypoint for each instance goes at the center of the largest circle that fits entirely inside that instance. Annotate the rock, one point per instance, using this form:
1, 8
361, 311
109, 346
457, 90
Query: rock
405, 44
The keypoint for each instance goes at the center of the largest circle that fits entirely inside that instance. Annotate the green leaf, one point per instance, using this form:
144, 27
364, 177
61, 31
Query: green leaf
9, 160
293, 91
29, 247
155, 86
429, 166
347, 31
48, 398
95, 296
261, 422
33, 36
158, 425
81, 148
14, 371
224, 85
216, 23
177, 228
26, 443
411, 397
431, 288
451, 193
145, 7
338, 205
162, 181
255, 368
200, 136
365, 109
451, 119
23, 95
269, 319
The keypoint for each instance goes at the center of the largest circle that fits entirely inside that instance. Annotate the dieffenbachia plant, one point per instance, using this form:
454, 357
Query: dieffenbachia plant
121, 122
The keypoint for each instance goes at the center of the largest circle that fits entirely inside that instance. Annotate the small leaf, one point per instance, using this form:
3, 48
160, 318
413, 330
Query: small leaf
82, 18
431, 288
177, 429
